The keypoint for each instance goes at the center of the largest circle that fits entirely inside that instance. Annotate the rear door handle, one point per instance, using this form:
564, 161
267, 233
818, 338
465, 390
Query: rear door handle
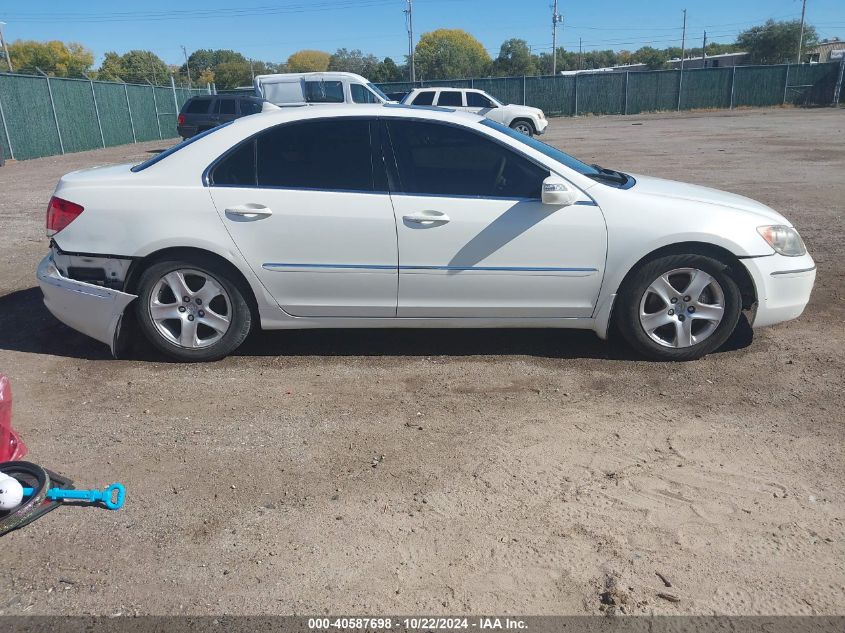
249, 211
427, 218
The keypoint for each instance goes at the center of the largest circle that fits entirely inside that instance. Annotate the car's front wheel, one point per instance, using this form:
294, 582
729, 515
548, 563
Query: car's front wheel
678, 307
192, 311
523, 127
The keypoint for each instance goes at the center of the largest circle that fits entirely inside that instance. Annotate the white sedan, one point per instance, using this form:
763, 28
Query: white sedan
396, 216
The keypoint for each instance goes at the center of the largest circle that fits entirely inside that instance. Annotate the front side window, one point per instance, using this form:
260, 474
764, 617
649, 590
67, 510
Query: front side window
450, 98
440, 159
248, 106
329, 154
324, 92
478, 100
552, 152
425, 98
360, 94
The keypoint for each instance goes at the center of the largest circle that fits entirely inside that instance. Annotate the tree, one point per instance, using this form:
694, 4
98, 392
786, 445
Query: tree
205, 59
384, 71
136, 66
353, 61
775, 42
651, 57
54, 57
515, 59
450, 54
308, 61
228, 75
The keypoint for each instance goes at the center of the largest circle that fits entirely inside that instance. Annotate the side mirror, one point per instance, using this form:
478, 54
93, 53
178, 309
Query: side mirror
557, 192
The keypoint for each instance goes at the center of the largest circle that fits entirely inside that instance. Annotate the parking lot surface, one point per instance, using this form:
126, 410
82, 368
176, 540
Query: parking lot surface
375, 472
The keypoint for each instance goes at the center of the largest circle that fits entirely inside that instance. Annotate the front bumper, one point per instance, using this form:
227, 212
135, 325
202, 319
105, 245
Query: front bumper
783, 286
540, 125
93, 310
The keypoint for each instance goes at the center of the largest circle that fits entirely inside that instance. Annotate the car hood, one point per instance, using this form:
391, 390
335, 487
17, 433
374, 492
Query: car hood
648, 185
521, 109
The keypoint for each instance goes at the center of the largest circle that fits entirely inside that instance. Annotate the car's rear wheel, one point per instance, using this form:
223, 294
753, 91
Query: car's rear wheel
192, 311
523, 127
678, 307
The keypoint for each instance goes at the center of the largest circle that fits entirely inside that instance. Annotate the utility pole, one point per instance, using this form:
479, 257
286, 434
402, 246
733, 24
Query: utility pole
704, 51
409, 26
252, 69
801, 36
557, 18
187, 67
683, 53
580, 66
5, 48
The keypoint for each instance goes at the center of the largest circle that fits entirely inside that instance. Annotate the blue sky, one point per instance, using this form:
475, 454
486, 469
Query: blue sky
273, 30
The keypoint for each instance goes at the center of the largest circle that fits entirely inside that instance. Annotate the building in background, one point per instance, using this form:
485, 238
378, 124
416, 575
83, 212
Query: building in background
724, 60
832, 51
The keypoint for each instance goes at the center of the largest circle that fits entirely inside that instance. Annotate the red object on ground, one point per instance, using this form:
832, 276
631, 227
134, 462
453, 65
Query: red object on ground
11, 446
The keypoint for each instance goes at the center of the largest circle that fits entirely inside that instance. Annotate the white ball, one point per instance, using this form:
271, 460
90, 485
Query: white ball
11, 493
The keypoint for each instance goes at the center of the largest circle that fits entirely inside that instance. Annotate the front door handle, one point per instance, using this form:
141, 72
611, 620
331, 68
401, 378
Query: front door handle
249, 211
427, 218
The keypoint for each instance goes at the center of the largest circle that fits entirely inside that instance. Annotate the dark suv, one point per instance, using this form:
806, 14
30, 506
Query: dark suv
203, 113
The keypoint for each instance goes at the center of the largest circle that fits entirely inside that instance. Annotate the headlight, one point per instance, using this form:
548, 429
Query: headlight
784, 239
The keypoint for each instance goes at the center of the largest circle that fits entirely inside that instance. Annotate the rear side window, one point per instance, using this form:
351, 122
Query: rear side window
441, 159
424, 98
225, 106
450, 98
197, 106
361, 94
329, 154
324, 92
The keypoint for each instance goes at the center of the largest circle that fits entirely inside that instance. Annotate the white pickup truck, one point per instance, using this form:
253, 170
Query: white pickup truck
287, 89
524, 119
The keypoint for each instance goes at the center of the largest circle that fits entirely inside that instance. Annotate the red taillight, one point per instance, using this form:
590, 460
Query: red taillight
60, 213
181, 119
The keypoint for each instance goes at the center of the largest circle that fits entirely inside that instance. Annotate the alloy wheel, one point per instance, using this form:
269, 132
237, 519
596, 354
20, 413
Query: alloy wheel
190, 308
682, 307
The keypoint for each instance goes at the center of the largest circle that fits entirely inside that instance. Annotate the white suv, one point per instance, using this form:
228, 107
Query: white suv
288, 89
521, 118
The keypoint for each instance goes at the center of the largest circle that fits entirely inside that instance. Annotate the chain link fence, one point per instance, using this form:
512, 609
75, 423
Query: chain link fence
652, 91
43, 116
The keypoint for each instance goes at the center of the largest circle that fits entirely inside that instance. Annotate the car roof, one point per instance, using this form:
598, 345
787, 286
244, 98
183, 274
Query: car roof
280, 77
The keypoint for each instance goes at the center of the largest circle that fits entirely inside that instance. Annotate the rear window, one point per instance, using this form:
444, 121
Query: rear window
324, 92
169, 152
197, 106
424, 98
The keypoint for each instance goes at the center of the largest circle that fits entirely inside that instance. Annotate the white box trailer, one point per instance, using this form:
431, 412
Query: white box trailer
286, 89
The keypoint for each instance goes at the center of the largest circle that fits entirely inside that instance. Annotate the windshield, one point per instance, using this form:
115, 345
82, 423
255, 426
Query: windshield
378, 91
172, 150
548, 150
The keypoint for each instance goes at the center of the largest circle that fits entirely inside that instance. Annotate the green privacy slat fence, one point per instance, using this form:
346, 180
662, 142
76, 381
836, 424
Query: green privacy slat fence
33, 125
650, 91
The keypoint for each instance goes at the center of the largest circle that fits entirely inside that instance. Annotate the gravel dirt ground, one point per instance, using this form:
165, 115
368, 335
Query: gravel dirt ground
370, 472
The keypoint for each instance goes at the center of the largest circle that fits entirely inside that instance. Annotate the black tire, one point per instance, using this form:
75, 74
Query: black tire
516, 124
240, 315
631, 295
